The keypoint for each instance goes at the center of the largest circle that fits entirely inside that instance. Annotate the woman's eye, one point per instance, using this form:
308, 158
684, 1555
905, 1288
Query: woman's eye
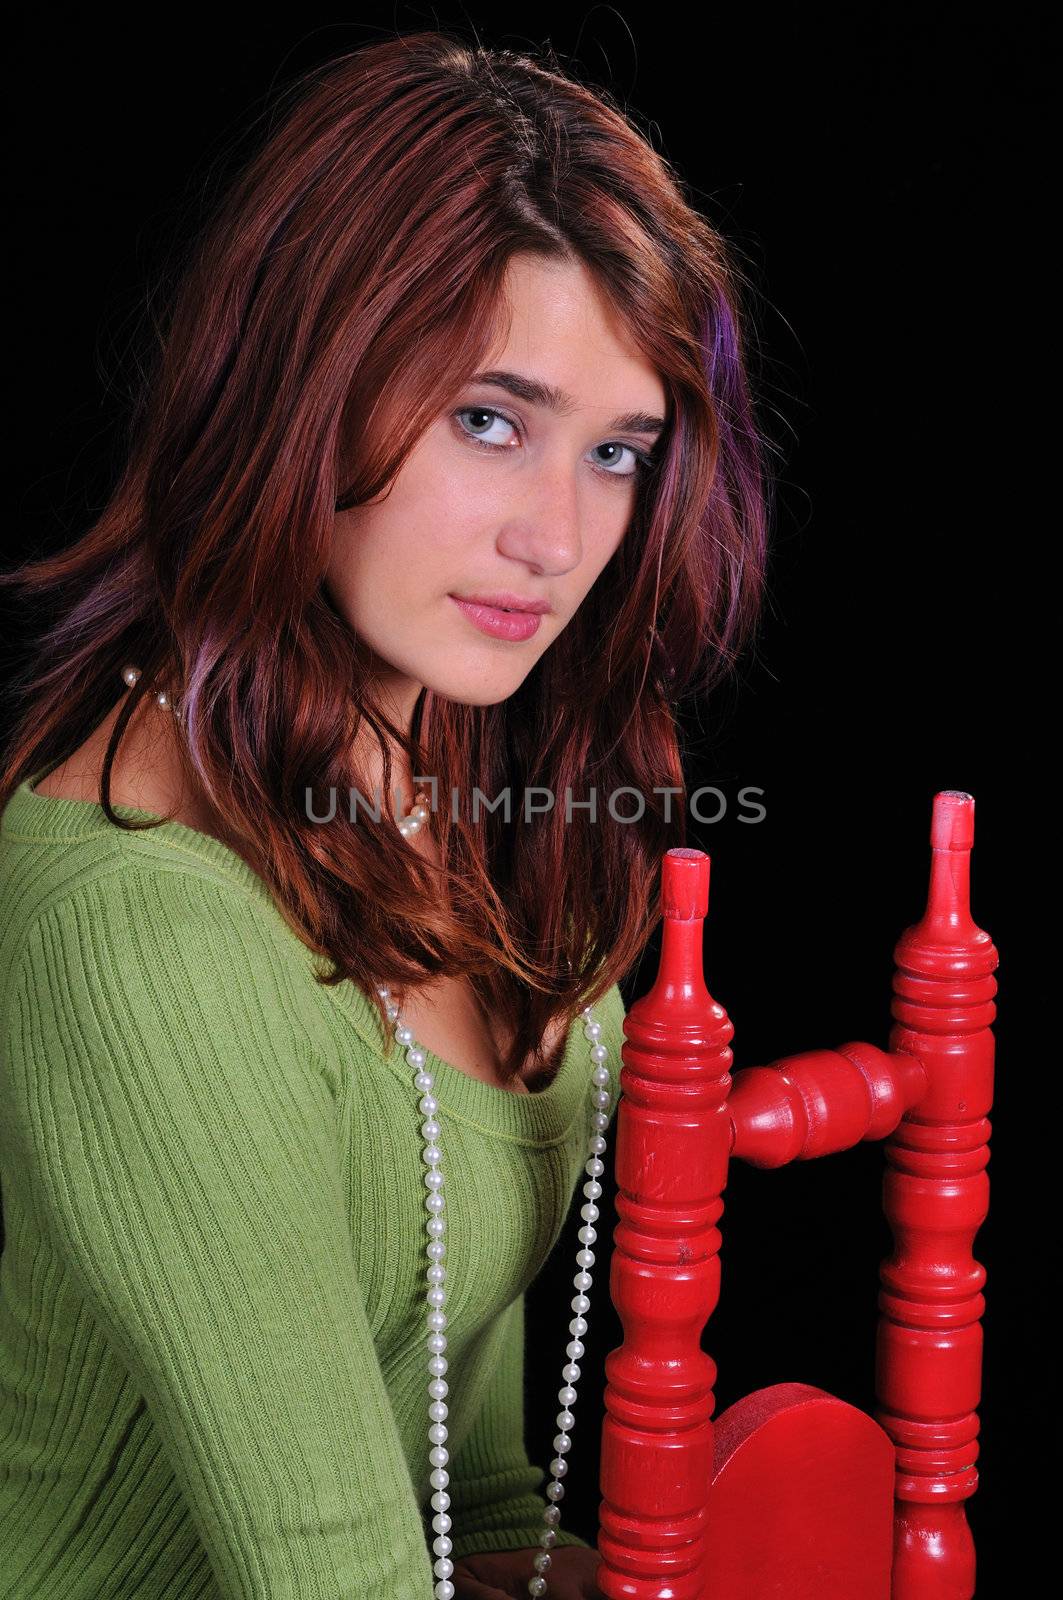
481, 412
638, 463
484, 419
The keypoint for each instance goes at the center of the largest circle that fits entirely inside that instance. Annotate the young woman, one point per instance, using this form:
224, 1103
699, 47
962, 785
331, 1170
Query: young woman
445, 482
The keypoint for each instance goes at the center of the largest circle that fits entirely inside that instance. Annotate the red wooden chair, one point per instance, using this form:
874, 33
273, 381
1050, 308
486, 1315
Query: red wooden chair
792, 1493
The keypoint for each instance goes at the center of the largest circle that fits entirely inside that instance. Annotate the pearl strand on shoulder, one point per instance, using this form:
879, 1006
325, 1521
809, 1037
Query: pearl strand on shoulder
131, 676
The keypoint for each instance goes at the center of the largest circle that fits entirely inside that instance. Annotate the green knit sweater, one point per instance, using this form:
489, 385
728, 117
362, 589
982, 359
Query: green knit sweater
212, 1292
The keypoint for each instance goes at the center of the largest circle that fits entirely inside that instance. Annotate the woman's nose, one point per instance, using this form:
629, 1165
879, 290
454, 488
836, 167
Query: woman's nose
543, 527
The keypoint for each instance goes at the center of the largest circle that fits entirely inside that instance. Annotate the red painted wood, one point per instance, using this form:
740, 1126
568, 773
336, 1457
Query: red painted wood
802, 1500
798, 1496
672, 1140
820, 1101
936, 1196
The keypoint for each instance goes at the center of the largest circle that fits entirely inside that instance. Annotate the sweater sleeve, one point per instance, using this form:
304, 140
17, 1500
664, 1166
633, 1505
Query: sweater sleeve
493, 1486
185, 1160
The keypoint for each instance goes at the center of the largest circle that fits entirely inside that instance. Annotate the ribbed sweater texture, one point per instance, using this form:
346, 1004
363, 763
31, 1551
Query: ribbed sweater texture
213, 1372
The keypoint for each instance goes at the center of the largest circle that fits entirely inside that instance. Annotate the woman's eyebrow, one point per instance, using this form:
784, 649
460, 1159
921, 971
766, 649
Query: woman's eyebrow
537, 393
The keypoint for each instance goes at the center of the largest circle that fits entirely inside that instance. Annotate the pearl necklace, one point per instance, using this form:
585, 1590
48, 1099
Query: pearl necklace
436, 1295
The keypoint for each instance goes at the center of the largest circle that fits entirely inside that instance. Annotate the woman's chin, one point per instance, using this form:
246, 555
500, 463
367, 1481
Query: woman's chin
470, 689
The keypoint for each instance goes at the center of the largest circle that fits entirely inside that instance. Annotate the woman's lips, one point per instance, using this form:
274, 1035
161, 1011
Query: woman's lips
497, 623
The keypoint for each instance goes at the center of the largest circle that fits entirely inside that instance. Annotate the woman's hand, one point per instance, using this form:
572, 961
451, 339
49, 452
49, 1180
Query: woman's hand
504, 1574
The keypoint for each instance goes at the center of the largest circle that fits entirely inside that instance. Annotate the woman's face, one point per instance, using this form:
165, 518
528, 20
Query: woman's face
503, 494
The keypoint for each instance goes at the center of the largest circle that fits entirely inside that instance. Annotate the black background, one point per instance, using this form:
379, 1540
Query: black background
879, 174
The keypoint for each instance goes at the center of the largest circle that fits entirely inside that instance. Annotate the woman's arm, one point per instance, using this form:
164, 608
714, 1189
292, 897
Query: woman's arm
183, 1156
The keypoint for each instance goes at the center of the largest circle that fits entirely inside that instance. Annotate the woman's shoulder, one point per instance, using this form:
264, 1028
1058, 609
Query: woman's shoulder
58, 842
70, 874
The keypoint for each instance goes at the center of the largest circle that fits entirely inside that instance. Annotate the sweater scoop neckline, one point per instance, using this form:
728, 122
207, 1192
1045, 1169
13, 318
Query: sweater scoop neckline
541, 1117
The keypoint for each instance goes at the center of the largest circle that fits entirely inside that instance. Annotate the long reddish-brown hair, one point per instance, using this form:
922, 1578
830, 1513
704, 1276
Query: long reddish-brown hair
345, 286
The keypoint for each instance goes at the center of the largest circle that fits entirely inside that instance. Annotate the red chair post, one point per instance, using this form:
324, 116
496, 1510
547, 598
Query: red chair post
672, 1141
936, 1196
